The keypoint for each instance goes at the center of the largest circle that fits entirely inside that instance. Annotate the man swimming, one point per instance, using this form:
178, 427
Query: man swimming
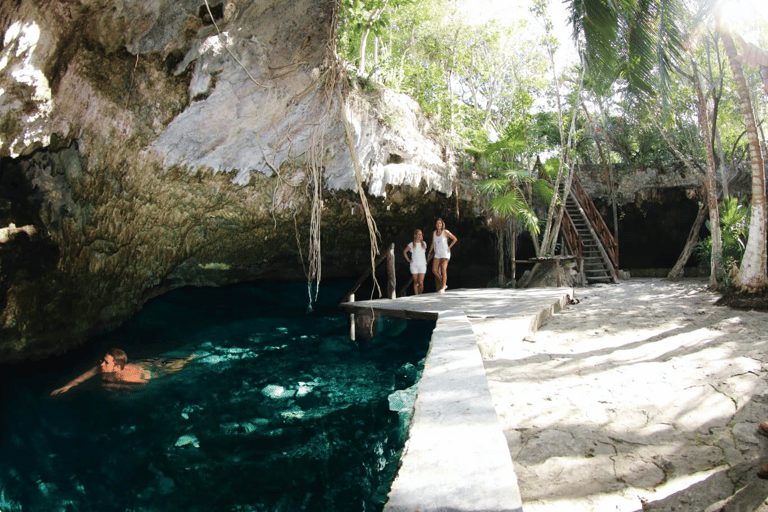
116, 372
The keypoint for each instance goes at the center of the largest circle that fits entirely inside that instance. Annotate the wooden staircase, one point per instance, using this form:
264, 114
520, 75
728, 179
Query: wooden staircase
588, 236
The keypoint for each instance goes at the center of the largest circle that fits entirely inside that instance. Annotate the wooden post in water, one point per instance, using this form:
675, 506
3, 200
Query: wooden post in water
351, 298
391, 284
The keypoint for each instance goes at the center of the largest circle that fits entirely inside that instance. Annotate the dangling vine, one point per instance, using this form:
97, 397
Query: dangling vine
333, 79
326, 87
316, 211
226, 47
373, 232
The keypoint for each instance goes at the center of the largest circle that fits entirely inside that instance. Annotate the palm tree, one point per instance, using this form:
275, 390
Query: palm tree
752, 272
506, 186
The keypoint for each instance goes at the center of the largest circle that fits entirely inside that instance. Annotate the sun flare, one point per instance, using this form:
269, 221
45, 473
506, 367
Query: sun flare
748, 18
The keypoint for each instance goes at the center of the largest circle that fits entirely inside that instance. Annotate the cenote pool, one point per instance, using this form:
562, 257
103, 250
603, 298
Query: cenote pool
278, 411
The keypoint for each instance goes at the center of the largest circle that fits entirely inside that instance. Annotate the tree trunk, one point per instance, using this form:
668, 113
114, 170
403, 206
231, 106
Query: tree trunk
716, 267
752, 273
375, 15
514, 248
500, 249
610, 179
363, 44
391, 279
723, 167
693, 237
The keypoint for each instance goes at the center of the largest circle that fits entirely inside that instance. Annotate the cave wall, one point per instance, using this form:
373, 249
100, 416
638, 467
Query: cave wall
143, 148
656, 210
653, 230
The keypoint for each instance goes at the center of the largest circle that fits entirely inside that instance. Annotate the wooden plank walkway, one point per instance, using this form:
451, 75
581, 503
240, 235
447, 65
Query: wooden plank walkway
456, 456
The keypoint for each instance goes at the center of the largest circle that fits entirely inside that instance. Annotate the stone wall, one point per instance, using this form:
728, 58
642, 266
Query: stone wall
637, 185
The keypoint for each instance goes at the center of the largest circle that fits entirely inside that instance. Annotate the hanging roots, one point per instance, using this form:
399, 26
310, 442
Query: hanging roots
226, 47
373, 232
316, 211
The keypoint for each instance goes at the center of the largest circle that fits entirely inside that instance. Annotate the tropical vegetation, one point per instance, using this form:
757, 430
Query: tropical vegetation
660, 83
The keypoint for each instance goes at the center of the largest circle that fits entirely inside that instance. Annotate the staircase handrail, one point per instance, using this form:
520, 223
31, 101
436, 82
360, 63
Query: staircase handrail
598, 224
571, 233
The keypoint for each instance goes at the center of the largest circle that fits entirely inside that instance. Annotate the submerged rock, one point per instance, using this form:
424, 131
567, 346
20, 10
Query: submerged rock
277, 392
188, 440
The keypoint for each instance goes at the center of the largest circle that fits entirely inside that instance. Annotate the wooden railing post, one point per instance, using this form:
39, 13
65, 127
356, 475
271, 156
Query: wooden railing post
391, 283
363, 278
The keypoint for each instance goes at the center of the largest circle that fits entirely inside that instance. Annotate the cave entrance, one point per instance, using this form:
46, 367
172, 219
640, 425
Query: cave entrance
653, 231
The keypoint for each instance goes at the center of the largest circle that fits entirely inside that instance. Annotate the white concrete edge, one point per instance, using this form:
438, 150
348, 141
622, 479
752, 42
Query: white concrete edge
456, 457
519, 328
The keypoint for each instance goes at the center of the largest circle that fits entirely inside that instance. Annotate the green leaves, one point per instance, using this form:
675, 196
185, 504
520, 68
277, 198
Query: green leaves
543, 190
551, 168
638, 41
513, 138
734, 221
493, 186
513, 204
734, 226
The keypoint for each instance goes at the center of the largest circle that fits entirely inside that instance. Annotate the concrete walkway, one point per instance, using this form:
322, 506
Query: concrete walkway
456, 457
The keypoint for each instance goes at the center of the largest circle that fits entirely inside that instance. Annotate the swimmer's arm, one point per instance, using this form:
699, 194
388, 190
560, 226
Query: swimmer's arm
77, 380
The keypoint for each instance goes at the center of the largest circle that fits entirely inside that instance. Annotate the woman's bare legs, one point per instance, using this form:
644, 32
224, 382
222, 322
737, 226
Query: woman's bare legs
440, 269
418, 284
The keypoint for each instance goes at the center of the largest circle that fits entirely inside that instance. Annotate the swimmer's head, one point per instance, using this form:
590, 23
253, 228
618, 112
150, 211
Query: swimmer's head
119, 357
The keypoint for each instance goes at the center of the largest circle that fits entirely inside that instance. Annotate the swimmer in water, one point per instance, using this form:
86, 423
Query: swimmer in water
117, 372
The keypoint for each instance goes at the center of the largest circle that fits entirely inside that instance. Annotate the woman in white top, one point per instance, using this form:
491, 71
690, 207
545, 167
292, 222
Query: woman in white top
418, 260
442, 241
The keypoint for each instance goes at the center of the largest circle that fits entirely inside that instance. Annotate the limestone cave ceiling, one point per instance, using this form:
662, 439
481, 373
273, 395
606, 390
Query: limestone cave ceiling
151, 144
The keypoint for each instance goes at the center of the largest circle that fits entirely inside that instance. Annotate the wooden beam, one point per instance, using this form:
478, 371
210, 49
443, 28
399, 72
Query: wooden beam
391, 281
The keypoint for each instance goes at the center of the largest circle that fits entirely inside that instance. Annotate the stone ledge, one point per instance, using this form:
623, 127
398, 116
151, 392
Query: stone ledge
456, 456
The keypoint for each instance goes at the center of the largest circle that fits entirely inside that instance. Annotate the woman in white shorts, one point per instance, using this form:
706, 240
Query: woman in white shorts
418, 260
442, 241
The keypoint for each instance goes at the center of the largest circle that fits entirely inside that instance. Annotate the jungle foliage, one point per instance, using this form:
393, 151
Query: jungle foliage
653, 78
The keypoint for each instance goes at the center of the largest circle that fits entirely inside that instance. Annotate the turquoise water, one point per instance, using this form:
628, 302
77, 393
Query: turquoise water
279, 411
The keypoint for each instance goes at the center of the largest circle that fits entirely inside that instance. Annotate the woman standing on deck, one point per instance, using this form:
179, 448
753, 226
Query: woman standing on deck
442, 249
418, 260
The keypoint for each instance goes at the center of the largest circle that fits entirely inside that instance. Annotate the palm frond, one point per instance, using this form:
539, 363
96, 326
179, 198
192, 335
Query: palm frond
529, 220
543, 190
509, 204
598, 22
513, 139
493, 186
551, 167
518, 176
637, 40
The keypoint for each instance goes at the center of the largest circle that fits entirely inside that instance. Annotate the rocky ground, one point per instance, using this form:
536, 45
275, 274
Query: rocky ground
643, 396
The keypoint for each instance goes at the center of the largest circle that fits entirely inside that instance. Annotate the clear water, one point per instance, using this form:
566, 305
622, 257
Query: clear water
280, 411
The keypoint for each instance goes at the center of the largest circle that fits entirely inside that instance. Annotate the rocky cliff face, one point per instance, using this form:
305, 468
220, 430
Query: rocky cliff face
151, 144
